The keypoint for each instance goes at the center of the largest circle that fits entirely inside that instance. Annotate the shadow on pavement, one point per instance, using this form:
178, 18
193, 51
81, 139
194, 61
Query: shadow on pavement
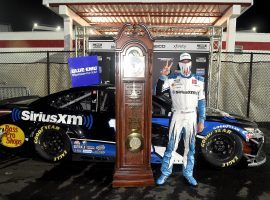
33, 179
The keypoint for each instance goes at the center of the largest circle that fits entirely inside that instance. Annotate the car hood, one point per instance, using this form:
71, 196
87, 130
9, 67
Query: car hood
212, 114
219, 115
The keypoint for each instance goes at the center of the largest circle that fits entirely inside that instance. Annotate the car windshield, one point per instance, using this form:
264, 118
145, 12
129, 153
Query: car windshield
80, 99
214, 111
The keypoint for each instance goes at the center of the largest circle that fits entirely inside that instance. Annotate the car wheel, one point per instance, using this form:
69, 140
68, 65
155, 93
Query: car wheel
222, 148
52, 143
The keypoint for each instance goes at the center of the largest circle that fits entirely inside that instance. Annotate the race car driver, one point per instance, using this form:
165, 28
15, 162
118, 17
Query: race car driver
188, 99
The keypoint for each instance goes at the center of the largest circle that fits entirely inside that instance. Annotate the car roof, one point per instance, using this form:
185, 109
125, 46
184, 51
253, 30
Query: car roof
40, 101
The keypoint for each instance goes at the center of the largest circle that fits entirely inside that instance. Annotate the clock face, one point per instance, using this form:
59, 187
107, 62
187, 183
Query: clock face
134, 63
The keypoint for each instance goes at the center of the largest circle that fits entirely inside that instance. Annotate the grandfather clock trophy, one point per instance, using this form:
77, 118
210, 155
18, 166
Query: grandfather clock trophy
134, 54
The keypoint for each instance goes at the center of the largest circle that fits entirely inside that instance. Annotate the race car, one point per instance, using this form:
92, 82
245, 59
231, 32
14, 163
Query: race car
81, 121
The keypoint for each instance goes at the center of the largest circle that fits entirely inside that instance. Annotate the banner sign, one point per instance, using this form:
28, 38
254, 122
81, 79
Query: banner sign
84, 71
101, 45
159, 45
185, 46
165, 49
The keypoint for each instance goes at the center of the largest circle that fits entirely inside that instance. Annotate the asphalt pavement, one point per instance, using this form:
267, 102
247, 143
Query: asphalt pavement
31, 178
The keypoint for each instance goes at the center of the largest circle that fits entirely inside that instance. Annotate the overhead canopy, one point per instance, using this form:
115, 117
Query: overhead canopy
162, 17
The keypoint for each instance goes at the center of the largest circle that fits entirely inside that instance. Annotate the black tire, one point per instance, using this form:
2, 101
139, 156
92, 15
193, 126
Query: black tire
222, 148
52, 143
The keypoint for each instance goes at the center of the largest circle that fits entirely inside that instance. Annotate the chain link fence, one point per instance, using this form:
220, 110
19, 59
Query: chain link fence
259, 106
243, 87
40, 73
239, 85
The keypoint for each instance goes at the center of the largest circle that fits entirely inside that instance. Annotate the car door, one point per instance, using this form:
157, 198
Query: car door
96, 105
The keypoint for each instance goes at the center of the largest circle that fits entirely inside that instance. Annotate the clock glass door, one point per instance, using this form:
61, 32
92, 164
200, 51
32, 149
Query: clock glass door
134, 61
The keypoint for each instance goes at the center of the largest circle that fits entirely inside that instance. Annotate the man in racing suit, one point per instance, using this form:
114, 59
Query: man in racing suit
188, 99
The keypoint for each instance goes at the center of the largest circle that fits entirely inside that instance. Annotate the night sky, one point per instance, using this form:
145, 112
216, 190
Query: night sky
258, 15
22, 14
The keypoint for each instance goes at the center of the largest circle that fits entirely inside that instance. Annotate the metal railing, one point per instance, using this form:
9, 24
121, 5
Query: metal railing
9, 92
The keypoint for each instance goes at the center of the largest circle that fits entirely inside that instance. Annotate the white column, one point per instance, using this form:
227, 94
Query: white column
233, 13
69, 18
231, 35
68, 33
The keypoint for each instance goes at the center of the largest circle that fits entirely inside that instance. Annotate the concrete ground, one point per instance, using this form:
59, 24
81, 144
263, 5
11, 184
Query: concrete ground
25, 178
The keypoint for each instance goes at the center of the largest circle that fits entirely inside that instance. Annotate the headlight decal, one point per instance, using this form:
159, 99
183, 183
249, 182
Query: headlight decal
253, 133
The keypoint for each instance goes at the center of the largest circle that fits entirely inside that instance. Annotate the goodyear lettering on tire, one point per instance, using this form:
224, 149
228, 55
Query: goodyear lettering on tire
204, 140
41, 130
40, 140
61, 156
208, 139
39, 143
231, 162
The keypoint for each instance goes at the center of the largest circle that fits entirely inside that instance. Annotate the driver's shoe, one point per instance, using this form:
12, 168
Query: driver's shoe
161, 180
191, 180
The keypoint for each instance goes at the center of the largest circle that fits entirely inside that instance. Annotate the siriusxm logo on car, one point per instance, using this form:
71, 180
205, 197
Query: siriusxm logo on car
27, 115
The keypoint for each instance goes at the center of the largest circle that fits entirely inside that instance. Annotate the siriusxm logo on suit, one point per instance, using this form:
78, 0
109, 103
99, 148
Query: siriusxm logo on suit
84, 71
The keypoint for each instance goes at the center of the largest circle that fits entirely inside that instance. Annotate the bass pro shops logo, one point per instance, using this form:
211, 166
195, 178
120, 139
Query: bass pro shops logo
11, 135
26, 115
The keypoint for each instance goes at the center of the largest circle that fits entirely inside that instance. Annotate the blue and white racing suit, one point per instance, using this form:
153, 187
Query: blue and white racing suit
188, 99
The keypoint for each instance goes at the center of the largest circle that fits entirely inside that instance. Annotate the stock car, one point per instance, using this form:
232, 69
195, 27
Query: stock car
81, 121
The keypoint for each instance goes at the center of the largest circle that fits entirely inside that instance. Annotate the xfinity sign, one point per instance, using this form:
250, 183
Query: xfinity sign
182, 46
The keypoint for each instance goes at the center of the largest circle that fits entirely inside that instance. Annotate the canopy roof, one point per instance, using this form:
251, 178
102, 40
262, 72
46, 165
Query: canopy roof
162, 17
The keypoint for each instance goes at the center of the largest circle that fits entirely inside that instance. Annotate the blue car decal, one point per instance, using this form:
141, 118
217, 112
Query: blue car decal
103, 149
155, 159
95, 148
161, 121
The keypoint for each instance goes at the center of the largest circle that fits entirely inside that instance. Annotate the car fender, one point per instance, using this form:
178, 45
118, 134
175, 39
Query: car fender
210, 127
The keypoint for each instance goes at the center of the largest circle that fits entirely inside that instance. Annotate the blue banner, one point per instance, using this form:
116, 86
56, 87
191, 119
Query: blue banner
84, 71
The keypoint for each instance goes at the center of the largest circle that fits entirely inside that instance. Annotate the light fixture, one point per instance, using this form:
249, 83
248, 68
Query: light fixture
254, 28
35, 25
